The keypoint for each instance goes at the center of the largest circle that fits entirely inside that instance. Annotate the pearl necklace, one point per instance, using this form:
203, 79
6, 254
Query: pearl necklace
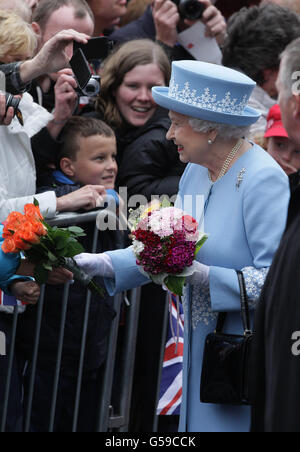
228, 160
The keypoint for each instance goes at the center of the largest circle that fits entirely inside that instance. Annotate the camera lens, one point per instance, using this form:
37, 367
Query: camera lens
191, 9
92, 88
12, 101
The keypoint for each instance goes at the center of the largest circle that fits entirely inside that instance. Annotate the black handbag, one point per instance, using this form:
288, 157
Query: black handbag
226, 369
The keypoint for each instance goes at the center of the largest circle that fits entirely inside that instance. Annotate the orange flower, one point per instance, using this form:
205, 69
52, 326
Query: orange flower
9, 246
32, 212
12, 223
39, 228
25, 236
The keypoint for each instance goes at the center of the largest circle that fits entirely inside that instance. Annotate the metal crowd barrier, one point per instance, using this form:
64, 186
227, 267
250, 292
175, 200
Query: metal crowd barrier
109, 419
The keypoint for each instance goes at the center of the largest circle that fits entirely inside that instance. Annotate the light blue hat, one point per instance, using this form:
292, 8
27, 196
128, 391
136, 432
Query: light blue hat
208, 91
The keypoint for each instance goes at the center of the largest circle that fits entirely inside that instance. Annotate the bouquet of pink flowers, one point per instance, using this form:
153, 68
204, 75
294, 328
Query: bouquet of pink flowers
165, 241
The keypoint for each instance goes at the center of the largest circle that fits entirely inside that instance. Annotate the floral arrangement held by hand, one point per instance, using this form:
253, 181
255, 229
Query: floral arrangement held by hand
45, 246
165, 242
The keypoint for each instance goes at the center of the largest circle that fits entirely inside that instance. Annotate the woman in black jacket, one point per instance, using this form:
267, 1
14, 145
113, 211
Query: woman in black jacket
149, 165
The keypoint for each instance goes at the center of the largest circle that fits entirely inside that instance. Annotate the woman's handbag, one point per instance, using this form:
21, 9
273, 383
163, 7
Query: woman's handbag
225, 369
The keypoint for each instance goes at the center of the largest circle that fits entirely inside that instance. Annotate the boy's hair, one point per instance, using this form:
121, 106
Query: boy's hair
46, 8
76, 127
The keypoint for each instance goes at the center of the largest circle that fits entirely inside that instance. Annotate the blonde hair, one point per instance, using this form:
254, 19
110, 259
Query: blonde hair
16, 35
115, 67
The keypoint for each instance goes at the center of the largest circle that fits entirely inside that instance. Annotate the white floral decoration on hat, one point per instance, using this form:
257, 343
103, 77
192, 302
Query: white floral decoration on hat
207, 100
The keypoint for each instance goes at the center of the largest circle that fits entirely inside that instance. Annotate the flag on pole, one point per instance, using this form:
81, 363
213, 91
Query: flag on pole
171, 378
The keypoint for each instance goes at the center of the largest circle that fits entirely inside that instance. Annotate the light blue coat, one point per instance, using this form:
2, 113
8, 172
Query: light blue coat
244, 215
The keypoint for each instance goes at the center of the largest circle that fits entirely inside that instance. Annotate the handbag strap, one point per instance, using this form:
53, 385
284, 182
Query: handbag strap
221, 322
244, 308
244, 303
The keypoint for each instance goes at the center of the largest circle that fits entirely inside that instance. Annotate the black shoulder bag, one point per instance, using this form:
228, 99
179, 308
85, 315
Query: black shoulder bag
225, 369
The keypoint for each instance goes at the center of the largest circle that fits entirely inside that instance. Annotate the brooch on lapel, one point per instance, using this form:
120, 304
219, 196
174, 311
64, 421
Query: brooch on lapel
240, 178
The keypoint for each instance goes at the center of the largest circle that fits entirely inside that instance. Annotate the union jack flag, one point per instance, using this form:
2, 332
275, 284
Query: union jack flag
8, 300
171, 379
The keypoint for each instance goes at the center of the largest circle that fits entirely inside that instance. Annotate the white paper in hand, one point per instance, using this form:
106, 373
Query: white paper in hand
199, 46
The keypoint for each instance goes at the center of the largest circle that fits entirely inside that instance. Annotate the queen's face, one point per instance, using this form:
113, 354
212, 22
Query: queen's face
191, 145
134, 97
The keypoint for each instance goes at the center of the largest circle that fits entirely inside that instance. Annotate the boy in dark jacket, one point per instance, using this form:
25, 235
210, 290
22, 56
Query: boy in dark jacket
87, 157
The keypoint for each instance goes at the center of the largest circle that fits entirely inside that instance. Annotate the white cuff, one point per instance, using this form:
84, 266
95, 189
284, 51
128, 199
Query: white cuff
108, 269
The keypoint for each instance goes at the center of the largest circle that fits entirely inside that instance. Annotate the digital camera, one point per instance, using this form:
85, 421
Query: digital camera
88, 84
190, 9
95, 49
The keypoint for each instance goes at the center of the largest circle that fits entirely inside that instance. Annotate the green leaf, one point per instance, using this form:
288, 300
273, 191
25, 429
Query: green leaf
51, 257
73, 248
60, 242
40, 274
165, 203
47, 266
175, 284
35, 202
200, 244
76, 230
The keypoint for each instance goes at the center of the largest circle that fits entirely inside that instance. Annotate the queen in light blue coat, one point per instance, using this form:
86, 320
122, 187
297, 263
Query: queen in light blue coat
239, 196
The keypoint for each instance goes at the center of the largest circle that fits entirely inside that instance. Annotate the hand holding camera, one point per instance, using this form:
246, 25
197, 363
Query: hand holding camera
166, 18
53, 56
65, 100
172, 16
215, 22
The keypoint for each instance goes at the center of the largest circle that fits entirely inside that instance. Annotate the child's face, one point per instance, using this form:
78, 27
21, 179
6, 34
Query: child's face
285, 153
95, 162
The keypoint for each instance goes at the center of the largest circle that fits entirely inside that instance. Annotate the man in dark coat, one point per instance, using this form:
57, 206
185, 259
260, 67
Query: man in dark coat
276, 353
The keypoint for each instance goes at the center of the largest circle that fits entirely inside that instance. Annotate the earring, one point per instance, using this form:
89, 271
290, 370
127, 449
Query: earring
210, 141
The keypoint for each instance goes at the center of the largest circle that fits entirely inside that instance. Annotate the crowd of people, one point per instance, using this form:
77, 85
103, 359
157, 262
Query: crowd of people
163, 124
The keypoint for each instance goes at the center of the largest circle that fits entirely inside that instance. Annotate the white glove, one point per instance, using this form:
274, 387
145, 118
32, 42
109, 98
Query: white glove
200, 277
95, 264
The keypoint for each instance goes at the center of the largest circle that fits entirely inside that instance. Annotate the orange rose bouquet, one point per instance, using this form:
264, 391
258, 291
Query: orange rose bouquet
45, 246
